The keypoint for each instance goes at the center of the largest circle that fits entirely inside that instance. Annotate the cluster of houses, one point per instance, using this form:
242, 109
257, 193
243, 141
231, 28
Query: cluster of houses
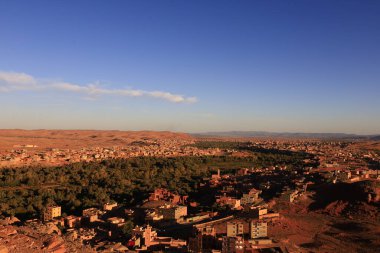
229, 213
100, 227
169, 221
327, 153
225, 234
28, 155
145, 237
207, 231
347, 175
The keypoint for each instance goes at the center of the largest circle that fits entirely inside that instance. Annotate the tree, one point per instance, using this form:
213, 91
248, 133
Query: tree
127, 228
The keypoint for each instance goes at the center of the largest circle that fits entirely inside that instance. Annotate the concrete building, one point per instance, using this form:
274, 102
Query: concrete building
73, 221
232, 245
116, 221
204, 240
289, 195
166, 195
91, 214
251, 197
216, 177
51, 212
109, 206
259, 211
235, 229
224, 200
146, 234
246, 199
258, 229
149, 238
173, 212
344, 175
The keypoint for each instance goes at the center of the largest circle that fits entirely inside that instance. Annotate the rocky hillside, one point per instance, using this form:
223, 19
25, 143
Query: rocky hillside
36, 238
352, 199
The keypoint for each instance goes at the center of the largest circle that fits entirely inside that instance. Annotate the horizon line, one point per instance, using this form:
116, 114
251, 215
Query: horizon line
189, 132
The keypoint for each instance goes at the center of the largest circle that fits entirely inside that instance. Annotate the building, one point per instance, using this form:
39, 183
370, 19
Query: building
51, 212
232, 245
258, 212
166, 195
148, 237
207, 230
258, 229
73, 221
116, 221
200, 216
90, 214
216, 177
224, 200
204, 240
289, 195
242, 172
86, 234
247, 199
235, 229
173, 212
109, 206
146, 234
251, 197
344, 175
153, 216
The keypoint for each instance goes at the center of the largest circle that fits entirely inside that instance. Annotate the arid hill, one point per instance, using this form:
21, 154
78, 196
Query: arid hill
37, 237
332, 218
75, 139
353, 199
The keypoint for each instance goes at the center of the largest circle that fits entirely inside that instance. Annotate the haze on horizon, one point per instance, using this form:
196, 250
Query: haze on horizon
191, 66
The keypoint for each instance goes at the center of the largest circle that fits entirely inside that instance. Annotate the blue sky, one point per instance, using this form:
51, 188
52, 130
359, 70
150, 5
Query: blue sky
193, 66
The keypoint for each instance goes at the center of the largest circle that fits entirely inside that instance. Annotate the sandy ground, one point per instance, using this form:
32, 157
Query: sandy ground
74, 139
300, 230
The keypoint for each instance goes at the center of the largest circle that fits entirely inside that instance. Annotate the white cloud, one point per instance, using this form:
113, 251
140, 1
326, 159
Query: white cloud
12, 81
16, 81
67, 87
16, 78
170, 97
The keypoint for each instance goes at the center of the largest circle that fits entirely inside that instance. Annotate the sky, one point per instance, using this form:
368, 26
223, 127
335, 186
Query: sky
191, 66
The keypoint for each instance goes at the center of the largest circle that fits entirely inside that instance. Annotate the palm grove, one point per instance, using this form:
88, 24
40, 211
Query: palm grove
26, 191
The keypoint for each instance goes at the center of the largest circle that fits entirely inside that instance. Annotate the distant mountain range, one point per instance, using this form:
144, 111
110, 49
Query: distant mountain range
288, 135
375, 138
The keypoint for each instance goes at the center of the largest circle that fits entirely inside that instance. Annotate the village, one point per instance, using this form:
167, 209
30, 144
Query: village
30, 154
326, 153
231, 212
